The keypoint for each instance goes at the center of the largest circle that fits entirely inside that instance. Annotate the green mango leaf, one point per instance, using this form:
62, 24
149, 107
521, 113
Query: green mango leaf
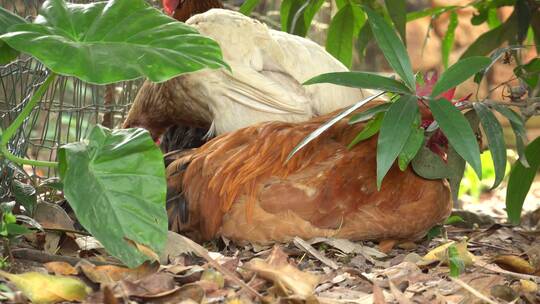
106, 42
518, 127
248, 6
448, 39
397, 9
494, 133
7, 19
520, 181
297, 15
115, 183
411, 148
495, 56
535, 25
368, 114
530, 72
454, 219
433, 12
395, 130
458, 131
364, 80
458, 73
364, 37
523, 13
456, 263
339, 41
492, 39
368, 131
25, 195
392, 47
327, 125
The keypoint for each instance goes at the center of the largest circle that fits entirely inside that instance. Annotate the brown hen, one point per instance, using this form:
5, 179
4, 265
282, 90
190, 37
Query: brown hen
239, 186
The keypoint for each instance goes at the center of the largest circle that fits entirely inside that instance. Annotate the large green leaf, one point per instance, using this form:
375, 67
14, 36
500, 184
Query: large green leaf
448, 40
248, 6
494, 38
397, 9
339, 41
458, 73
458, 131
518, 126
530, 73
395, 130
363, 80
392, 47
494, 133
106, 42
25, 195
115, 183
520, 182
7, 19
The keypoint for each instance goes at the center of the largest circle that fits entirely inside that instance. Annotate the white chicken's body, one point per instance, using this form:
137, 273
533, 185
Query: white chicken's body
265, 82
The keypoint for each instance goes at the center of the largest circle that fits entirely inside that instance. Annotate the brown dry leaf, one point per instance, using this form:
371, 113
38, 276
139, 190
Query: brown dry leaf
110, 273
147, 251
44, 288
285, 276
534, 257
61, 268
189, 293
385, 246
398, 295
514, 263
156, 285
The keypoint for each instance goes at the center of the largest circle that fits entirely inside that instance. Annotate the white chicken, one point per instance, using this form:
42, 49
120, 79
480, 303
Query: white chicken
268, 68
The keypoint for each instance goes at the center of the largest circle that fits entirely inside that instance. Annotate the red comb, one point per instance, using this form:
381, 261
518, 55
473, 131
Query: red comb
169, 6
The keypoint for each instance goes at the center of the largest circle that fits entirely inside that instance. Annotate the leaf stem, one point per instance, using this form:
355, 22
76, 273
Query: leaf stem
16, 124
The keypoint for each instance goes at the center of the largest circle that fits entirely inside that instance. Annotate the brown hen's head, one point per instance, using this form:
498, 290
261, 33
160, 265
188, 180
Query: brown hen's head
181, 10
150, 112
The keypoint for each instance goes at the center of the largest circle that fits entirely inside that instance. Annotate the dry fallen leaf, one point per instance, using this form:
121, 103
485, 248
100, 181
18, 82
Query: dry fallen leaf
213, 276
147, 251
110, 273
285, 276
44, 288
527, 286
61, 268
514, 263
440, 254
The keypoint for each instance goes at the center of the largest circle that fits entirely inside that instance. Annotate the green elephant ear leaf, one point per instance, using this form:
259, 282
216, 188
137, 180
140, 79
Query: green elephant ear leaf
8, 19
107, 42
118, 200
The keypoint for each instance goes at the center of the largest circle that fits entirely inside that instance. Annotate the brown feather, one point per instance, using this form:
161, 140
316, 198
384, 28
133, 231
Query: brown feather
239, 185
193, 7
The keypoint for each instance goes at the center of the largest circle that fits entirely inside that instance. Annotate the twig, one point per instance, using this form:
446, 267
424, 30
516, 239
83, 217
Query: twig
43, 257
473, 291
303, 245
497, 269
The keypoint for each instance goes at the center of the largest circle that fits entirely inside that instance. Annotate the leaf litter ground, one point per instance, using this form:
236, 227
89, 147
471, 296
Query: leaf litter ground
501, 265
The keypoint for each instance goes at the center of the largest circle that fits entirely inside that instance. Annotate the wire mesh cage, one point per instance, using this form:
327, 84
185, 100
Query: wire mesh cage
66, 113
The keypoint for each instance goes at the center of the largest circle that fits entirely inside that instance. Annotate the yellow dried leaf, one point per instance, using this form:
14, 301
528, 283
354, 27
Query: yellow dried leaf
514, 263
44, 288
440, 254
213, 276
295, 281
528, 286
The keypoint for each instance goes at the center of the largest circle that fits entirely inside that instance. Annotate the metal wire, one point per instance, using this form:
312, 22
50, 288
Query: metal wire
66, 113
